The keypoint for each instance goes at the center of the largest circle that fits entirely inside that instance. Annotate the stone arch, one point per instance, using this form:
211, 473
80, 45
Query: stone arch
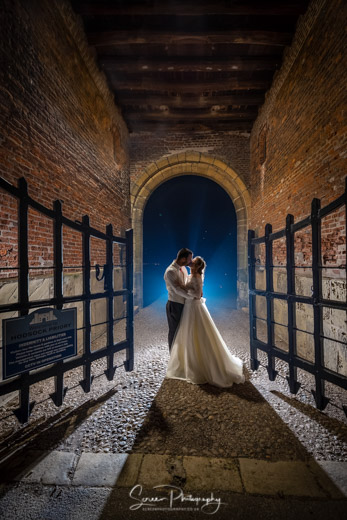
191, 163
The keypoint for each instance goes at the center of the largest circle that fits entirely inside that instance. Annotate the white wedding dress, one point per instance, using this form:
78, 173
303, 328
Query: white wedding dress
199, 354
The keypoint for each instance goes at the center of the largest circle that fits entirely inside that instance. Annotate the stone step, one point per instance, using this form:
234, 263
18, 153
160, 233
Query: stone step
324, 480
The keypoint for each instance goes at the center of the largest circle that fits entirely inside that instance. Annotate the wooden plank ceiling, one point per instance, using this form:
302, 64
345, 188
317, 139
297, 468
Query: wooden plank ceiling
192, 64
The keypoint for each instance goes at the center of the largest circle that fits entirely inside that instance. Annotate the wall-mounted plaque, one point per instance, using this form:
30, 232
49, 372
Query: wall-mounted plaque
43, 337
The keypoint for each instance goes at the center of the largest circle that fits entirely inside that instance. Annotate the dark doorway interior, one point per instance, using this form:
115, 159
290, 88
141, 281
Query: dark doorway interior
194, 212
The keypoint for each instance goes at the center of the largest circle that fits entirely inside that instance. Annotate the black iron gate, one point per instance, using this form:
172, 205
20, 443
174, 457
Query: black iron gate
316, 367
24, 304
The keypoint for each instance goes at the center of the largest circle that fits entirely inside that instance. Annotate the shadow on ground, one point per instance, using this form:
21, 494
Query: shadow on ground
45, 436
331, 424
204, 420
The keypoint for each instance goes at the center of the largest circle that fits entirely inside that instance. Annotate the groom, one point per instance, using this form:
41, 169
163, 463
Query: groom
174, 274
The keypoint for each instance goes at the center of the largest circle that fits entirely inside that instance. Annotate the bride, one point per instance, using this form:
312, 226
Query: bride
199, 354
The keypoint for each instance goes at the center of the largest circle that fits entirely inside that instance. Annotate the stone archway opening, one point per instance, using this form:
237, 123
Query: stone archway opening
191, 163
196, 212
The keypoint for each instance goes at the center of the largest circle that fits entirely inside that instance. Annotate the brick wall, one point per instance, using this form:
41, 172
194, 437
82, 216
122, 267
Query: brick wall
230, 147
298, 152
303, 126
59, 128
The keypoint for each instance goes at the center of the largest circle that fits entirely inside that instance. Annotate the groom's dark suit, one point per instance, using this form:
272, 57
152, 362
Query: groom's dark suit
174, 307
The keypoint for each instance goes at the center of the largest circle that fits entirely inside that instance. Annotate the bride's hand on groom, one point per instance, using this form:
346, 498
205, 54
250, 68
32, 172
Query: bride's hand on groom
181, 285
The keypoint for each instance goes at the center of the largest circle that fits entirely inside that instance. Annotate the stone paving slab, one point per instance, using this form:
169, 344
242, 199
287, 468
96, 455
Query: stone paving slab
130, 471
28, 501
238, 475
154, 471
52, 467
99, 469
337, 472
284, 478
209, 473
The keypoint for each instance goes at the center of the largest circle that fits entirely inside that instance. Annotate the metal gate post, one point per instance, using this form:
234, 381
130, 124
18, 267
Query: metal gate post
110, 303
319, 393
294, 385
25, 407
269, 302
129, 362
87, 377
251, 286
60, 391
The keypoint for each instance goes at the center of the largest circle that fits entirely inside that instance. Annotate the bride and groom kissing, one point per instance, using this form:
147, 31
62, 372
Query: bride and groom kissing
198, 353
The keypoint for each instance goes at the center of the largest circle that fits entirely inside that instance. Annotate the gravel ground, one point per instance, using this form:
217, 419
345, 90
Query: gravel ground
140, 411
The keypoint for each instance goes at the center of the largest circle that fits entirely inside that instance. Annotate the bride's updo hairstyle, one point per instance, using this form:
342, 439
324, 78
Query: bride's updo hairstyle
200, 264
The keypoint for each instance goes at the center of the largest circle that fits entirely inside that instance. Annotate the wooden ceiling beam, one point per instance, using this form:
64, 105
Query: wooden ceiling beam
187, 64
170, 117
221, 126
198, 50
142, 101
192, 8
195, 87
252, 37
131, 64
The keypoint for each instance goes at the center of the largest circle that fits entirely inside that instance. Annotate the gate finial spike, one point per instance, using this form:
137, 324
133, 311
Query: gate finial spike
294, 386
272, 373
320, 400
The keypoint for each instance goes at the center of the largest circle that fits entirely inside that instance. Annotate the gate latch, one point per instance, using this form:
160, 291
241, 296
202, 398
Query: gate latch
104, 275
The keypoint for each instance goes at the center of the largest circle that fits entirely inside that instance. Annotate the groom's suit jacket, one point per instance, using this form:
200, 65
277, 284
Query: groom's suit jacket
173, 274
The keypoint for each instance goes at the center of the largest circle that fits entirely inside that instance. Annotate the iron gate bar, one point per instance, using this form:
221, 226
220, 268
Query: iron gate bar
25, 407
282, 296
57, 370
319, 393
276, 236
60, 391
342, 266
31, 268
333, 339
129, 363
69, 364
274, 266
23, 281
335, 204
271, 368
309, 266
279, 324
53, 301
252, 318
316, 368
87, 373
301, 224
305, 331
292, 379
258, 240
334, 304
109, 287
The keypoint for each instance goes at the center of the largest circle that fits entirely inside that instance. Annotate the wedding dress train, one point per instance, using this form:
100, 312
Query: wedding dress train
199, 354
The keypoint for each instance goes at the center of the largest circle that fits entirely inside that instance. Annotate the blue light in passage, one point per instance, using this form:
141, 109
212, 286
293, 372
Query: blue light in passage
197, 213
